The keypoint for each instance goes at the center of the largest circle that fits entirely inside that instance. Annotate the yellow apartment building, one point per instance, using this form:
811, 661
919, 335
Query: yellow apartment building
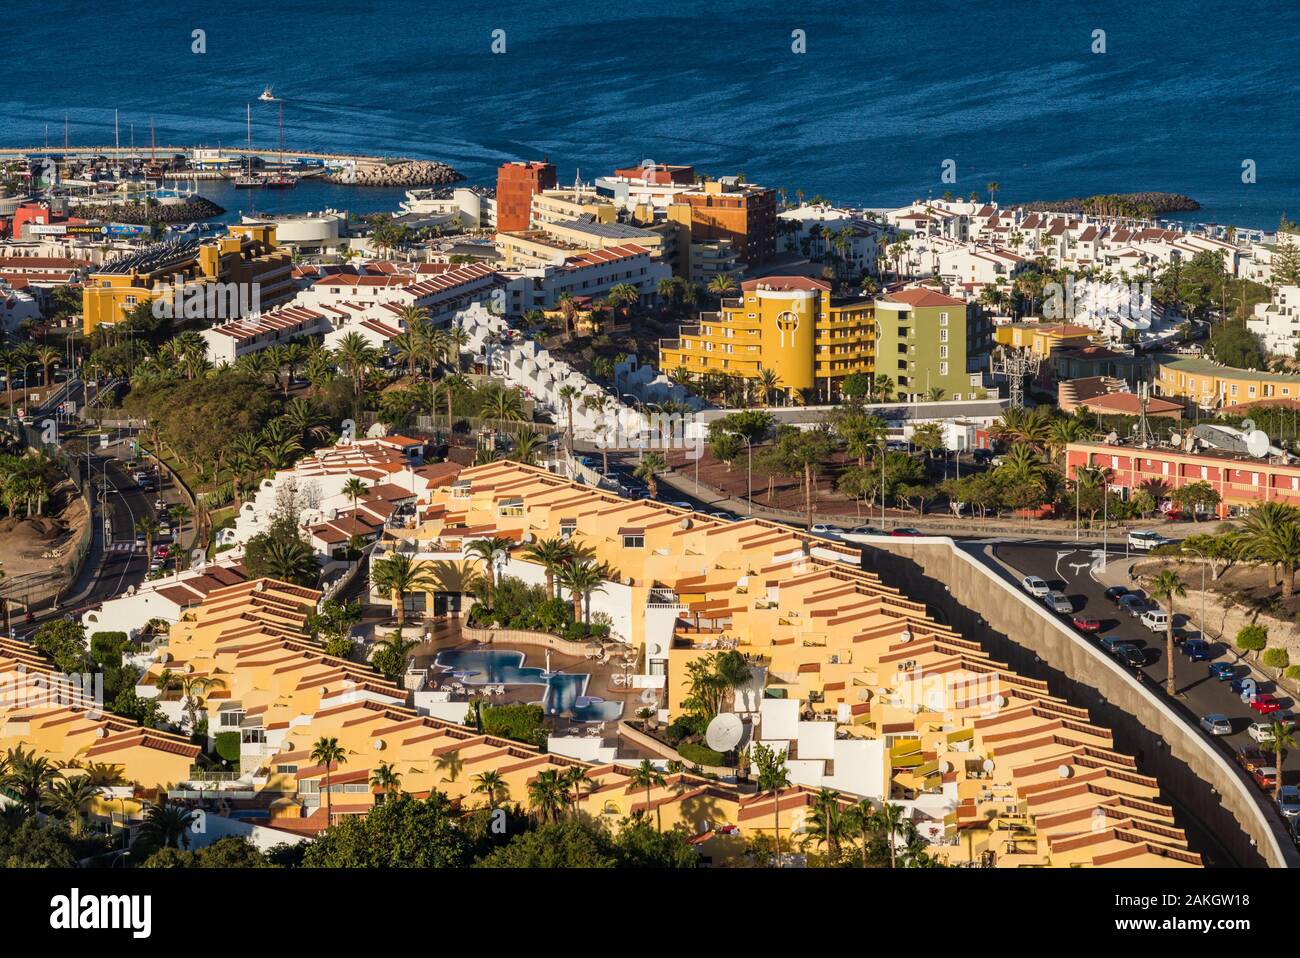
1211, 385
243, 271
789, 325
1043, 339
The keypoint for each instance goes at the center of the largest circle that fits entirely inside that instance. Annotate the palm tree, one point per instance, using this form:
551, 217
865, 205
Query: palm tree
862, 819
1282, 739
399, 575
891, 819
648, 469
1167, 586
69, 798
149, 527
329, 753
354, 488
450, 386
647, 776
828, 820
491, 784
1260, 529
27, 777
489, 551
575, 777
582, 579
166, 826
47, 356
1282, 548
551, 554
386, 777
772, 777
192, 689
526, 447
567, 393
546, 796
769, 381
355, 355
290, 560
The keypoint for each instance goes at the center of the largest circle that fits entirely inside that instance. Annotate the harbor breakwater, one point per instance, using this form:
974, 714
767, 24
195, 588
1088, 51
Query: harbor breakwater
193, 210
409, 173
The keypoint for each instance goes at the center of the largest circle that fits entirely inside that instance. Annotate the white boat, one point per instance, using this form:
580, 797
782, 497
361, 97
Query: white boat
267, 96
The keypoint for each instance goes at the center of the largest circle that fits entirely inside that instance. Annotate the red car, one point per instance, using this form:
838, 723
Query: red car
1265, 777
1086, 623
1265, 704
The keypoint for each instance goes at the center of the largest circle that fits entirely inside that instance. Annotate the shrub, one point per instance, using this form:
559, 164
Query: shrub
520, 722
227, 746
1276, 658
700, 755
1252, 638
106, 648
1293, 672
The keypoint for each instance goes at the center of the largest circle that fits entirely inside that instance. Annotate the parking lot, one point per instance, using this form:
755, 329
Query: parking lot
1204, 686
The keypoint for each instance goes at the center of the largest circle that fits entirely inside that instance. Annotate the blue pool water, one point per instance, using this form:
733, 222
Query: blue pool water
564, 690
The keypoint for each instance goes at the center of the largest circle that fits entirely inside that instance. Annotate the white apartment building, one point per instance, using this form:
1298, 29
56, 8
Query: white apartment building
590, 273
1277, 323
239, 337
864, 237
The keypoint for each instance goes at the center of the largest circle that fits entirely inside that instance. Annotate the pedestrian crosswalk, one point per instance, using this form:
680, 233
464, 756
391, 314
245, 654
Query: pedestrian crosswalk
126, 547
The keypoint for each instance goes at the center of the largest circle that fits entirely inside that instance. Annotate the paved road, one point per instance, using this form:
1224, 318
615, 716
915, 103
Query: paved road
115, 562
1069, 569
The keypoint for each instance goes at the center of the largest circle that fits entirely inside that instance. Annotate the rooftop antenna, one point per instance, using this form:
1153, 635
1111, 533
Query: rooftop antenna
1142, 431
1014, 365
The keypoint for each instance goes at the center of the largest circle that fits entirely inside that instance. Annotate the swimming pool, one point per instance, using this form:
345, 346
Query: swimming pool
565, 691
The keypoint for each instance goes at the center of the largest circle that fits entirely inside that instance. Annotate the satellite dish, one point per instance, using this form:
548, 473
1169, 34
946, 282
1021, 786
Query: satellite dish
1175, 440
1257, 444
724, 732
380, 745
1112, 438
1248, 425
988, 765
1064, 771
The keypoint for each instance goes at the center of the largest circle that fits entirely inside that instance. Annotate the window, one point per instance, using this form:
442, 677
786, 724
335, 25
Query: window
943, 319
231, 718
512, 507
286, 770
943, 335
943, 369
943, 352
634, 542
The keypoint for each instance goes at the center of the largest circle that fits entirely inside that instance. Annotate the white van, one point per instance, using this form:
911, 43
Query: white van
1157, 620
1144, 539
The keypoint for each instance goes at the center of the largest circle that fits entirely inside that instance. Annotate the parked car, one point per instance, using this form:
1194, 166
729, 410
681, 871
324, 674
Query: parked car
824, 529
1265, 703
1144, 539
1198, 650
1035, 586
1261, 732
905, 531
636, 492
1117, 592
1130, 654
1288, 801
1251, 757
1133, 604
1222, 671
1265, 777
722, 515
866, 531
1087, 624
1242, 685
1216, 724
683, 504
1058, 602
1157, 620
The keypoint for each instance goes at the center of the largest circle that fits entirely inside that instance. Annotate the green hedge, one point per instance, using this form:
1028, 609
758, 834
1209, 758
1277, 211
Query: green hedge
520, 722
700, 755
227, 745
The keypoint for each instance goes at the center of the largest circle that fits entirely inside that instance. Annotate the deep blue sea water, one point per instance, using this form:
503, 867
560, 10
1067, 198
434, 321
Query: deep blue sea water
884, 94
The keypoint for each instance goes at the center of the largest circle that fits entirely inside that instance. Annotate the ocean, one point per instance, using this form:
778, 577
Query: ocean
881, 97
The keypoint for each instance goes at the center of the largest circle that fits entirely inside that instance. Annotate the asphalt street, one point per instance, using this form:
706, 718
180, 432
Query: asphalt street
1069, 568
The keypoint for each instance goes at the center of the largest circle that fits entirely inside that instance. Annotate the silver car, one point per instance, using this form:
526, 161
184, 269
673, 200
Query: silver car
1216, 724
1057, 601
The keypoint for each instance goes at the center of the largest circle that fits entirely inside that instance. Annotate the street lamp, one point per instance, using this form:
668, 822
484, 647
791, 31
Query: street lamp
1204, 559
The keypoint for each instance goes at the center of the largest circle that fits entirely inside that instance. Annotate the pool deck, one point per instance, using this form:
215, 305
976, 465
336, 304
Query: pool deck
445, 635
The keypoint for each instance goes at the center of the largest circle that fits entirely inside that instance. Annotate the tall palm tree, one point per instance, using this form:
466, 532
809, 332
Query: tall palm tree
329, 753
1168, 586
1260, 529
772, 777
290, 560
648, 470
399, 575
582, 579
891, 819
491, 784
149, 527
489, 551
1282, 739
193, 688
551, 554
1282, 548
647, 776
828, 823
354, 489
26, 777
862, 819
567, 394
526, 447
575, 777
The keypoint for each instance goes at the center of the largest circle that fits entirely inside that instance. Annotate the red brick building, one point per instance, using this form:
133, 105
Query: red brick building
517, 184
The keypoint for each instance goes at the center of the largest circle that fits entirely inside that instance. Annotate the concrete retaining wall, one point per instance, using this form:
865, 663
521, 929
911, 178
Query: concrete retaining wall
1224, 815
